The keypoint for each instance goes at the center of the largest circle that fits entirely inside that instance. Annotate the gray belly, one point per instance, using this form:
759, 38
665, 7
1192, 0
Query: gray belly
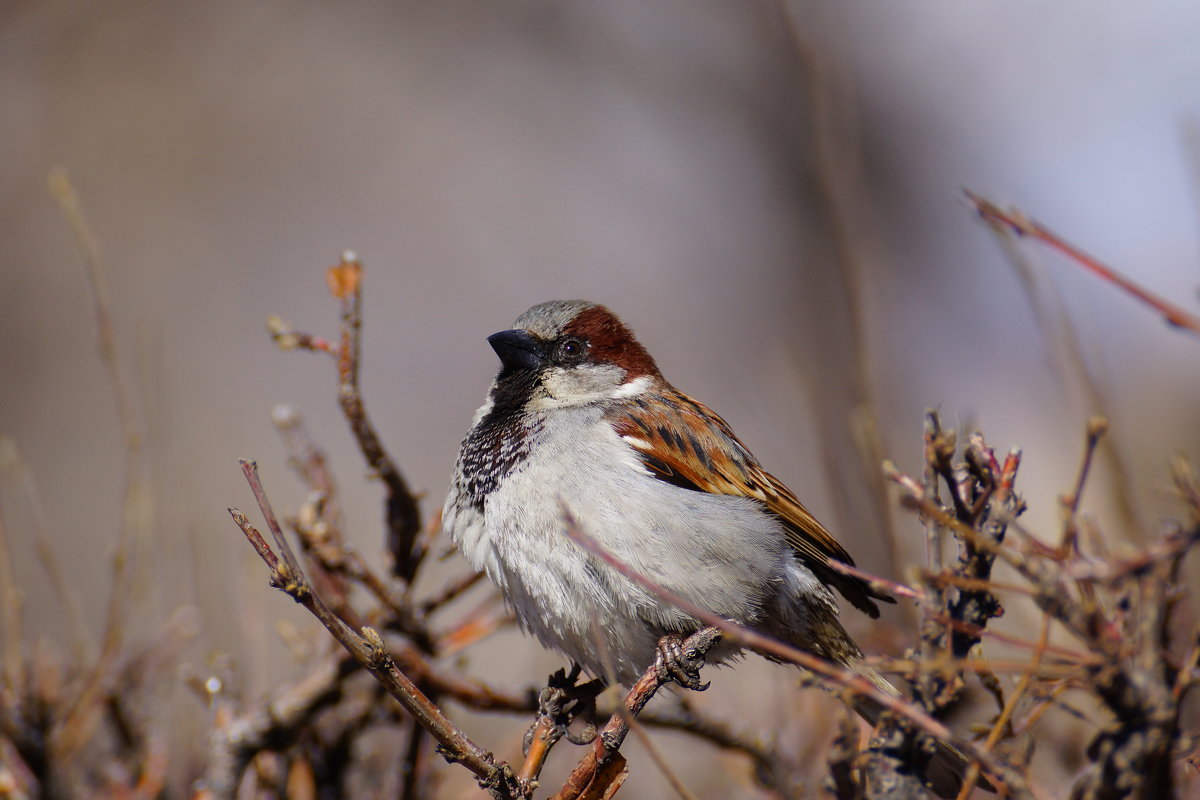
722, 553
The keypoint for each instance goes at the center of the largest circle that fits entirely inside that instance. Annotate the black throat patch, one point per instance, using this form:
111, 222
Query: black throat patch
500, 442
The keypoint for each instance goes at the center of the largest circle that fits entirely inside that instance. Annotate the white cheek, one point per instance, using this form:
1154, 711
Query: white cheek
580, 386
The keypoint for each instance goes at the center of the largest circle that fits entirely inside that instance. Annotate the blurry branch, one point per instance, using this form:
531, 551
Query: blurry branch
64, 192
135, 511
369, 650
450, 592
13, 466
56, 715
136, 522
682, 717
10, 617
403, 515
843, 755
1061, 335
837, 160
1017, 222
278, 723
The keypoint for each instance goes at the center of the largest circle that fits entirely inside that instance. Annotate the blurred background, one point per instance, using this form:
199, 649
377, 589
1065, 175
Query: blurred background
769, 194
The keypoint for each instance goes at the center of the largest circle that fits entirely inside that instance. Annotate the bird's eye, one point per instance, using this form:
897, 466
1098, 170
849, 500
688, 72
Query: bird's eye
571, 349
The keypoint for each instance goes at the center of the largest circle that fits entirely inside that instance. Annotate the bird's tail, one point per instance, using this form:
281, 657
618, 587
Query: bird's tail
946, 768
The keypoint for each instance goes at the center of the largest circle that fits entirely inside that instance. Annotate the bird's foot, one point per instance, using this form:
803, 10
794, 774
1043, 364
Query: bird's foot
563, 701
680, 661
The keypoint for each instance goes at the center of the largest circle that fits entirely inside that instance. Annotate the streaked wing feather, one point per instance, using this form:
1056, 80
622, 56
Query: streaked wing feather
686, 444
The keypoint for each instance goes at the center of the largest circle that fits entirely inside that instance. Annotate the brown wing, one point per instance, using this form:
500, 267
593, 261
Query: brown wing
686, 444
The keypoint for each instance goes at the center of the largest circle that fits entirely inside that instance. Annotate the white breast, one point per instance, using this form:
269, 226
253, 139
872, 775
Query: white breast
724, 553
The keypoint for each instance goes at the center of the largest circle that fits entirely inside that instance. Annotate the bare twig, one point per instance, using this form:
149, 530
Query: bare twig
1061, 333
1022, 225
286, 337
403, 515
1096, 428
370, 651
590, 772
840, 186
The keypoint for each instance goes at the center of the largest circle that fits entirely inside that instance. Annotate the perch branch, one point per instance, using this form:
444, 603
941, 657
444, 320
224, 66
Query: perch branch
370, 651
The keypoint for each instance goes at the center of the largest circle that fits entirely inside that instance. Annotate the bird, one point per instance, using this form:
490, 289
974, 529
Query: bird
580, 421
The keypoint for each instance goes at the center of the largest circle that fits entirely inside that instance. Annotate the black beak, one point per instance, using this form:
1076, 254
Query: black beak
517, 349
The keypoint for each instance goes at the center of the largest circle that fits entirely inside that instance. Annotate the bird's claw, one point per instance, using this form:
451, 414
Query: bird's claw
681, 665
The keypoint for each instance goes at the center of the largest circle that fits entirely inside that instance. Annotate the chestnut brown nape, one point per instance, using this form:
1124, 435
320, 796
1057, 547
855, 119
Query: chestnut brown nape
612, 341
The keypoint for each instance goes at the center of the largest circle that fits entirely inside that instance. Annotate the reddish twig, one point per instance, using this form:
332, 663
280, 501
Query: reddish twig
1019, 223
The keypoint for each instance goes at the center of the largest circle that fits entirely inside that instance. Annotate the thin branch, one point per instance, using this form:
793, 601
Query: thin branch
1019, 223
286, 337
1003, 724
840, 186
403, 514
590, 771
77, 725
68, 200
1059, 330
450, 591
1096, 428
370, 651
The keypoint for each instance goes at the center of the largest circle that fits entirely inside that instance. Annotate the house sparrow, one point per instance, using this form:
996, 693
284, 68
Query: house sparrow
579, 417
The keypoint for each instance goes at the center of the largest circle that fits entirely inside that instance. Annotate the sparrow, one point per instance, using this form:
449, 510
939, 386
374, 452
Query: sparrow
579, 418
